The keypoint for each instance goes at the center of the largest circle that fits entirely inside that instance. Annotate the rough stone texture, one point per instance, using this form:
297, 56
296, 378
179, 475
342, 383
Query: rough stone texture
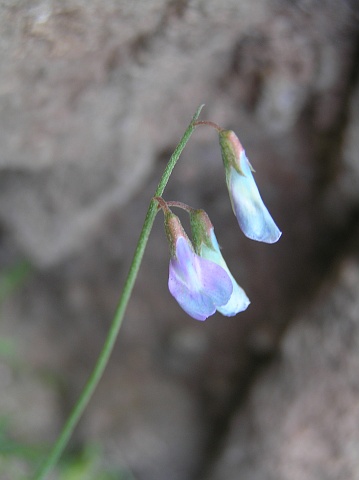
301, 420
88, 92
91, 92
94, 97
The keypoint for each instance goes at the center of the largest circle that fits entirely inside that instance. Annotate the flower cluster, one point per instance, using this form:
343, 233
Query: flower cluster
199, 278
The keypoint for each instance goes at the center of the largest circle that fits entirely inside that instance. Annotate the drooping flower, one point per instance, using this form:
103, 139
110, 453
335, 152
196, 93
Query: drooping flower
206, 246
253, 217
200, 286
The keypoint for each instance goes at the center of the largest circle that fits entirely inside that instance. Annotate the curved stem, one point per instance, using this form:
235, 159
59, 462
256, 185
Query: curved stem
210, 124
104, 356
164, 205
183, 206
161, 204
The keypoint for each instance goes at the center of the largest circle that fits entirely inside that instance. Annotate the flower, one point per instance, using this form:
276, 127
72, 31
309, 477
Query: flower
253, 217
200, 286
206, 246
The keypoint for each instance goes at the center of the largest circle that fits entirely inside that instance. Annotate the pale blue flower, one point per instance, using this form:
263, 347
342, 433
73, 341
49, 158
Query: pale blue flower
239, 300
206, 245
253, 217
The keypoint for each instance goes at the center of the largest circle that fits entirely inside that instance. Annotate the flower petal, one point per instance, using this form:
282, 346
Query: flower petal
216, 282
198, 285
193, 302
238, 301
252, 215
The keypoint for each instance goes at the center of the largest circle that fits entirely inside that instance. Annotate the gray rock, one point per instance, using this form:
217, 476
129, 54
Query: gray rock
91, 93
156, 440
301, 420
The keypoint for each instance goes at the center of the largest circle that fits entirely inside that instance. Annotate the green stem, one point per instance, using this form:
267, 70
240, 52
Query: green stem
104, 356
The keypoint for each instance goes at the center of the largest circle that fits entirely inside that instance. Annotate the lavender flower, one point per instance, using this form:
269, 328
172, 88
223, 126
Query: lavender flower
252, 215
199, 285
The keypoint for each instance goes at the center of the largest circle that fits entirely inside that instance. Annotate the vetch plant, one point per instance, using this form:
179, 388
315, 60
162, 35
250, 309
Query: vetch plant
199, 278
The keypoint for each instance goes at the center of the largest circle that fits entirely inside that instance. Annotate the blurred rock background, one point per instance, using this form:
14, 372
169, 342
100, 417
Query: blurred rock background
94, 96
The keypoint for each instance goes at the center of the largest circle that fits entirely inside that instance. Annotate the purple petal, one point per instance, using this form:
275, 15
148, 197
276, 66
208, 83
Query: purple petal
198, 285
238, 301
193, 302
252, 215
216, 282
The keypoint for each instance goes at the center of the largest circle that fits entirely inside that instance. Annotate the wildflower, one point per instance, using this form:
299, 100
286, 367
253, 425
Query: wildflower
253, 217
206, 246
200, 286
